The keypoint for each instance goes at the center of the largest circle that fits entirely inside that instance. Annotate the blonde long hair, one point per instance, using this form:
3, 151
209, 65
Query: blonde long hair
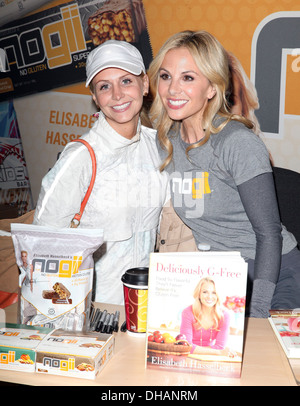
197, 306
212, 61
243, 98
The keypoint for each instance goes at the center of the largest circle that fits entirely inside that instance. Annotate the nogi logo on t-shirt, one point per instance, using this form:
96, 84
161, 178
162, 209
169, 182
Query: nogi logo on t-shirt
188, 190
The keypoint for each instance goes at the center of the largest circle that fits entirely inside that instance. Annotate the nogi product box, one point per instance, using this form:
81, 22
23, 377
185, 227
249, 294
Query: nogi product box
75, 354
18, 345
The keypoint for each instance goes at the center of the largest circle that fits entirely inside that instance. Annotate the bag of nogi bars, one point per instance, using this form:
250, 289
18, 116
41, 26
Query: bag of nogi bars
56, 274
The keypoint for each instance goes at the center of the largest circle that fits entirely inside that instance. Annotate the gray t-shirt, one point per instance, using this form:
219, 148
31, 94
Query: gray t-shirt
204, 187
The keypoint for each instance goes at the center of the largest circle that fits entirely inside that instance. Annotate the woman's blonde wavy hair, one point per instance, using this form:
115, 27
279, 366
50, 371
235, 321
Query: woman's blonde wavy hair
197, 306
212, 61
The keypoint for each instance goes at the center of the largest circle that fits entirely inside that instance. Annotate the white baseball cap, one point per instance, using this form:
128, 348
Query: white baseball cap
114, 54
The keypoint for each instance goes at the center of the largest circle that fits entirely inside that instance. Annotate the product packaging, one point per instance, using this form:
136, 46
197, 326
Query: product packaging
79, 355
12, 10
61, 37
18, 345
56, 274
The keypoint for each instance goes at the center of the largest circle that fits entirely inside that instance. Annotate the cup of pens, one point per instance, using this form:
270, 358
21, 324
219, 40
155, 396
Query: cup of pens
135, 283
104, 322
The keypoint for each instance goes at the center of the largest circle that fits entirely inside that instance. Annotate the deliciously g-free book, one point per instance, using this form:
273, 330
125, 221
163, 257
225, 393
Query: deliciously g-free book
286, 325
196, 312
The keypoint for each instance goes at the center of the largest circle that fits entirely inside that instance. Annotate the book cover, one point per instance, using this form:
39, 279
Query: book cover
286, 325
196, 312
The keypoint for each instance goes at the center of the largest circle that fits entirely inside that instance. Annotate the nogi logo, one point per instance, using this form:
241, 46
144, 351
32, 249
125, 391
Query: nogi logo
63, 365
64, 268
56, 41
7, 358
273, 36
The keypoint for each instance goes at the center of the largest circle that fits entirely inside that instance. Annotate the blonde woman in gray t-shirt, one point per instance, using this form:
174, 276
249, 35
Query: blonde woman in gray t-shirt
221, 178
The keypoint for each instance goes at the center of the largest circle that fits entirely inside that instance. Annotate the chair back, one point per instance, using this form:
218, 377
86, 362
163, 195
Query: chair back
287, 183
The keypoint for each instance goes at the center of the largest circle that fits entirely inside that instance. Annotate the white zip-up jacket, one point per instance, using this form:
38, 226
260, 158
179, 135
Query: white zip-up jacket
125, 202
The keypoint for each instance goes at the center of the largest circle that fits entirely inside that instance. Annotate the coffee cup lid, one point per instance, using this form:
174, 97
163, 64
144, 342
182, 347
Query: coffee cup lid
136, 276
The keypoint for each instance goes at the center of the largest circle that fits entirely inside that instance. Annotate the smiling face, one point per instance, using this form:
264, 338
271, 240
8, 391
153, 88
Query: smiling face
24, 258
183, 89
119, 95
208, 295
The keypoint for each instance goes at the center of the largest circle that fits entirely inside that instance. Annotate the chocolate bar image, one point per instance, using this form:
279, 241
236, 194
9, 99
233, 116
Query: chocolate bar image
61, 290
50, 294
112, 24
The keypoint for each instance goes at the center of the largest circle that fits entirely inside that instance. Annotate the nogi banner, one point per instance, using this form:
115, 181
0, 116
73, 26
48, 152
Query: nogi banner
48, 49
14, 179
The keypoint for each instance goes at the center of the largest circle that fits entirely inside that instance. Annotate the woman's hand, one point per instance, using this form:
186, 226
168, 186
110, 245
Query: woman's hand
227, 352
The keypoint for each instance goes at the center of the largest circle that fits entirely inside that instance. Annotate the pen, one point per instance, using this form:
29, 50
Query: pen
110, 327
93, 316
92, 312
123, 327
104, 327
116, 321
101, 321
96, 319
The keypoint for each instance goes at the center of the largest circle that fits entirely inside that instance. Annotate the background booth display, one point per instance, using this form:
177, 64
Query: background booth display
15, 192
47, 49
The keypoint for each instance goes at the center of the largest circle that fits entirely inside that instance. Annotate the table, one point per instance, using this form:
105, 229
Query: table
264, 363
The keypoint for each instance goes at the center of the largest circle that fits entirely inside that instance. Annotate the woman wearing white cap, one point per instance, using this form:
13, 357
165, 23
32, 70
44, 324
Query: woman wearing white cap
129, 190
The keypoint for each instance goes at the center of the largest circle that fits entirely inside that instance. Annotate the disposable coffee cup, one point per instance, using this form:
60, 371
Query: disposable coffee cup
135, 285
